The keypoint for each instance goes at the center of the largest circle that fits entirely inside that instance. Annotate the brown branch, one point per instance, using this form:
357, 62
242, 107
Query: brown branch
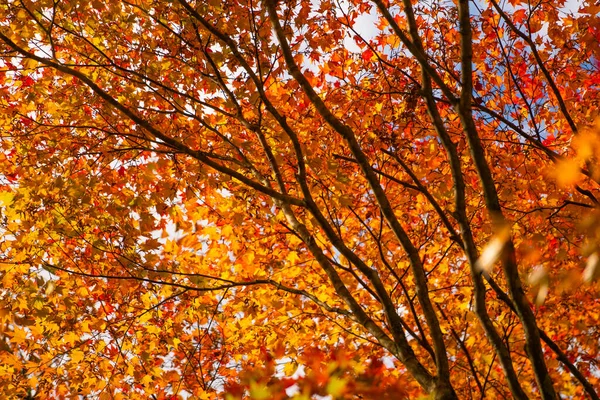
461, 344
540, 63
460, 202
225, 286
348, 135
306, 237
415, 48
562, 357
196, 154
509, 263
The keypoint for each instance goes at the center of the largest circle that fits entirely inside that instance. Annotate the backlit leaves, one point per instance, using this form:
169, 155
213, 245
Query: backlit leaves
181, 217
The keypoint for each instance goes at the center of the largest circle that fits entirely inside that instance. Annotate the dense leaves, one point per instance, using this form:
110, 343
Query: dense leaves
295, 198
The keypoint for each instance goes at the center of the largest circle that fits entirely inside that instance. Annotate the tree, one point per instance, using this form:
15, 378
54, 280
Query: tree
199, 197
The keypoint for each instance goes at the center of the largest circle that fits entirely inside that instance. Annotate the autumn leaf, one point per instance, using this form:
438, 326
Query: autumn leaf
493, 250
567, 172
591, 269
285, 199
6, 198
77, 356
336, 387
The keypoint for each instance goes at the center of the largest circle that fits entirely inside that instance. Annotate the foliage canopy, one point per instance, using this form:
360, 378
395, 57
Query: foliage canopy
207, 197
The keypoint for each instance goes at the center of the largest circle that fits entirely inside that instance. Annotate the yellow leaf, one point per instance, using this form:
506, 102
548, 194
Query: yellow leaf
293, 257
336, 386
146, 379
227, 231
492, 251
541, 295
97, 40
212, 232
37, 329
567, 172
32, 381
591, 269
145, 317
6, 198
259, 391
77, 355
470, 341
152, 329
38, 304
50, 286
290, 368
52, 327
204, 396
539, 277
70, 338
19, 336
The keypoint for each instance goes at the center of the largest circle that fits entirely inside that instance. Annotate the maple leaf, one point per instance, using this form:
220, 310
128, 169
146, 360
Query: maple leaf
209, 198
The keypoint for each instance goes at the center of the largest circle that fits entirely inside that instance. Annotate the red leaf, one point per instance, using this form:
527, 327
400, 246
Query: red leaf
27, 81
367, 55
